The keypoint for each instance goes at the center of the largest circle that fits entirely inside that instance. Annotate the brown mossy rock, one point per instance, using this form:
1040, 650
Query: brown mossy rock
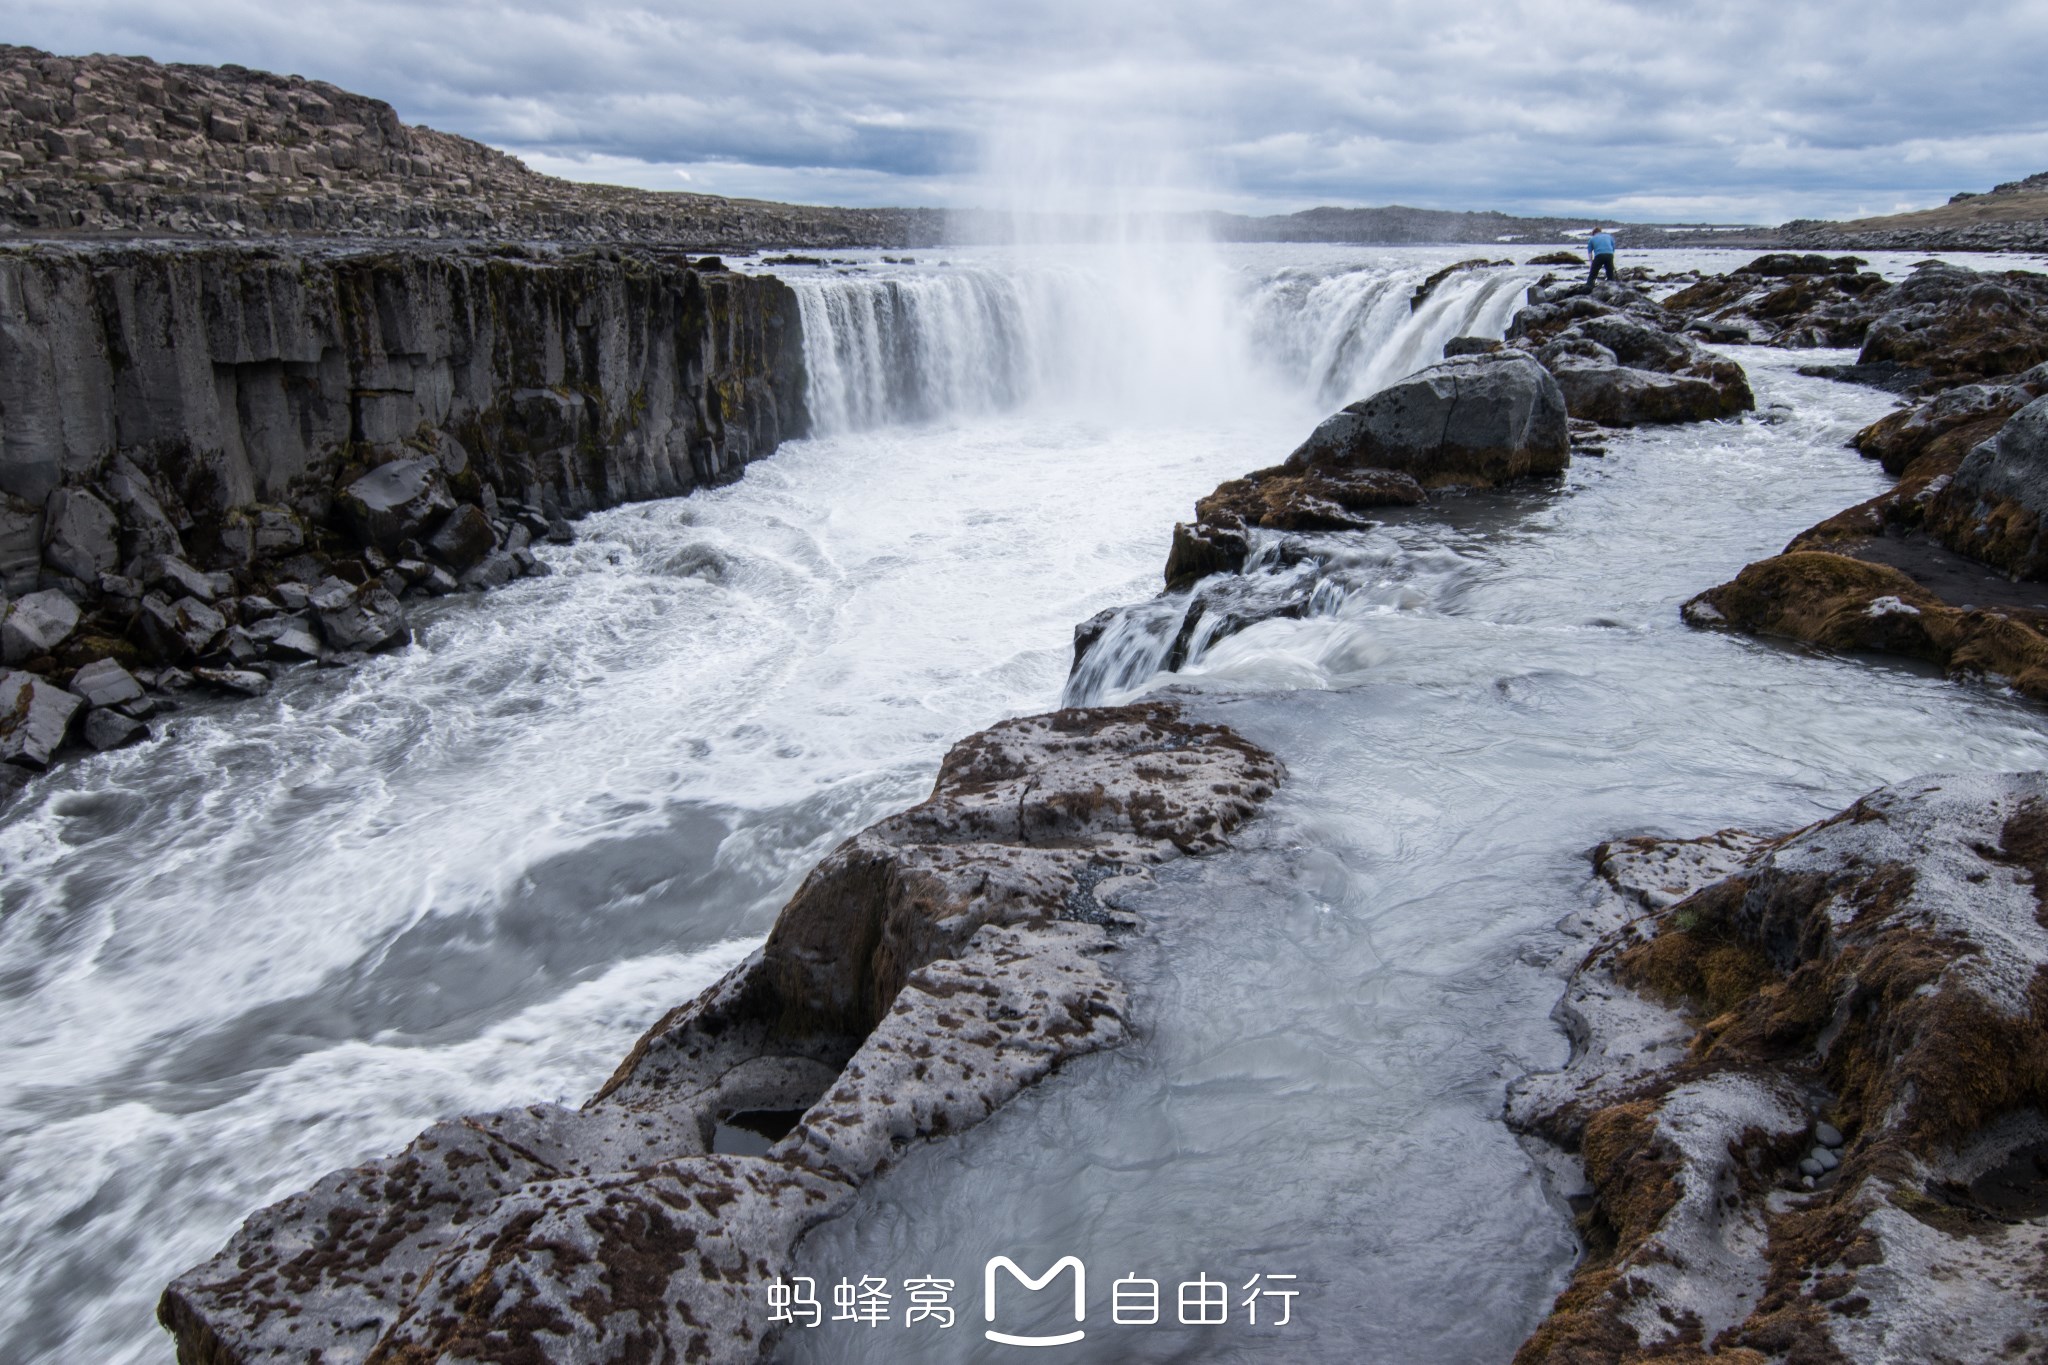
1901, 508
1952, 423
926, 971
1992, 509
1962, 325
1885, 970
1840, 603
1200, 549
1471, 421
1317, 499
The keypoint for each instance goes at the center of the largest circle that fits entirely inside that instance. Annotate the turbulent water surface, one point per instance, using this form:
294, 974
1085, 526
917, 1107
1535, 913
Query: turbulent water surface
467, 875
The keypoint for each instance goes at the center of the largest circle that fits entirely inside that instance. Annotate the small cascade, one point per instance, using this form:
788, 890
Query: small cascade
1349, 334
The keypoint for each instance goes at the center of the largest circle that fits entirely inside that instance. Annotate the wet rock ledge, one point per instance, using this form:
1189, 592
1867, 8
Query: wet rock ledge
926, 971
216, 462
1804, 1114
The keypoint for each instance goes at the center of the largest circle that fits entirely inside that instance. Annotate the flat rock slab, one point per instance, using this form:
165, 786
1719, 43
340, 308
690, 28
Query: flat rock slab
926, 971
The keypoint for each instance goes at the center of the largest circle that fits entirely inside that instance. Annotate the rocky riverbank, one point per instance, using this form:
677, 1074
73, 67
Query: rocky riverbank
1805, 1098
928, 970
1943, 567
123, 145
218, 462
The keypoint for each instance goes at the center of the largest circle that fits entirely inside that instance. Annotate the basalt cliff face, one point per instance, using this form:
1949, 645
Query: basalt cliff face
106, 144
215, 461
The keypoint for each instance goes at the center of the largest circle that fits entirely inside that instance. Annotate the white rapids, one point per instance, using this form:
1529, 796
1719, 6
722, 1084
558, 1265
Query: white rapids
295, 931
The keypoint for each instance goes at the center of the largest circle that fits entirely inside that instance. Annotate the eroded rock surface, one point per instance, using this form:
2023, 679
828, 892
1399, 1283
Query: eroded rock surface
1622, 360
927, 970
1807, 1088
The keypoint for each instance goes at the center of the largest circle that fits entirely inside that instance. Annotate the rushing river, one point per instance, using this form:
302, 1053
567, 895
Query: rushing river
468, 874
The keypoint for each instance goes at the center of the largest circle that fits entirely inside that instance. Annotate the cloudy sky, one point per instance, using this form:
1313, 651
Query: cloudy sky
1751, 110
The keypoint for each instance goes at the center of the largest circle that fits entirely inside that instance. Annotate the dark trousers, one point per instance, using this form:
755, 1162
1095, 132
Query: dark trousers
1604, 261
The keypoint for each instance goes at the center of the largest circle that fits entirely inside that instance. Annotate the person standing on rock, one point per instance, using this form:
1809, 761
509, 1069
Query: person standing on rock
1600, 252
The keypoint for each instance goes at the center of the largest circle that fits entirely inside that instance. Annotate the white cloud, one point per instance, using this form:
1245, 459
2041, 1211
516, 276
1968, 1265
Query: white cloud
1753, 109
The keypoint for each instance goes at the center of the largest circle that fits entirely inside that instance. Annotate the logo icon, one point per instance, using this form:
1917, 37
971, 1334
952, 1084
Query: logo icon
988, 1298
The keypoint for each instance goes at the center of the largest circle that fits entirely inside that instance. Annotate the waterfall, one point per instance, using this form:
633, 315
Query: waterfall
1164, 329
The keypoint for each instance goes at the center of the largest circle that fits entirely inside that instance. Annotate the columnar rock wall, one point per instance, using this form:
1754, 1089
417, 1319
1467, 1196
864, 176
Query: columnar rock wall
242, 378
217, 462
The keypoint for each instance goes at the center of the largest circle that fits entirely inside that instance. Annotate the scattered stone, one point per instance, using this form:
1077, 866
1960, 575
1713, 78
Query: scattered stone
35, 719
104, 683
35, 625
497, 569
81, 536
368, 619
106, 730
1827, 1135
183, 630
178, 578
464, 539
290, 639
241, 681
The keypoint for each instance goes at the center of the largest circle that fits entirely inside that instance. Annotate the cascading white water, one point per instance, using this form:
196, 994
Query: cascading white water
1166, 328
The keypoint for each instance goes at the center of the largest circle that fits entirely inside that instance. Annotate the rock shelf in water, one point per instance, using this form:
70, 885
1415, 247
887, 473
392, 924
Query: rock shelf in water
1865, 996
925, 972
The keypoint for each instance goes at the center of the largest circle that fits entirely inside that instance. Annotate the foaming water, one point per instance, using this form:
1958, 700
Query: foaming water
467, 875
1328, 1016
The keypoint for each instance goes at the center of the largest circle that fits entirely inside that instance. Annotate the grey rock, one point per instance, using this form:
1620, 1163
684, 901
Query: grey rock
530, 564
293, 596
287, 638
105, 683
1827, 1135
240, 648
178, 578
438, 582
263, 533
35, 625
517, 537
128, 590
252, 609
2010, 467
21, 543
1473, 420
497, 569
241, 681
397, 501
35, 719
1827, 1159
146, 530
1808, 1166
105, 730
182, 630
560, 532
371, 619
331, 594
80, 535
464, 538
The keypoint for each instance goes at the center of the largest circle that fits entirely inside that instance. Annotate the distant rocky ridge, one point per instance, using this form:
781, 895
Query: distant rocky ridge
2010, 217
106, 144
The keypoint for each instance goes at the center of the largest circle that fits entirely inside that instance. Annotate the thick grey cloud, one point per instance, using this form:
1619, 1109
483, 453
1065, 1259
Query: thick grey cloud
1745, 110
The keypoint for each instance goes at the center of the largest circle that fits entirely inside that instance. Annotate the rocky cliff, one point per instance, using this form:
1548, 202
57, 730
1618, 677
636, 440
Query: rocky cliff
222, 459
122, 144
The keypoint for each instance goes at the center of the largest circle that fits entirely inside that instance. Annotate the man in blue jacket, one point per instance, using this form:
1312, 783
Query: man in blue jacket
1600, 251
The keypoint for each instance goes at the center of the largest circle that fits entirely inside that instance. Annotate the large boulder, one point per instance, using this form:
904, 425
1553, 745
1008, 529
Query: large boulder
104, 683
367, 619
35, 625
1951, 424
1624, 366
81, 536
397, 501
147, 530
35, 719
464, 538
180, 631
1625, 396
1961, 325
1473, 421
1991, 509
